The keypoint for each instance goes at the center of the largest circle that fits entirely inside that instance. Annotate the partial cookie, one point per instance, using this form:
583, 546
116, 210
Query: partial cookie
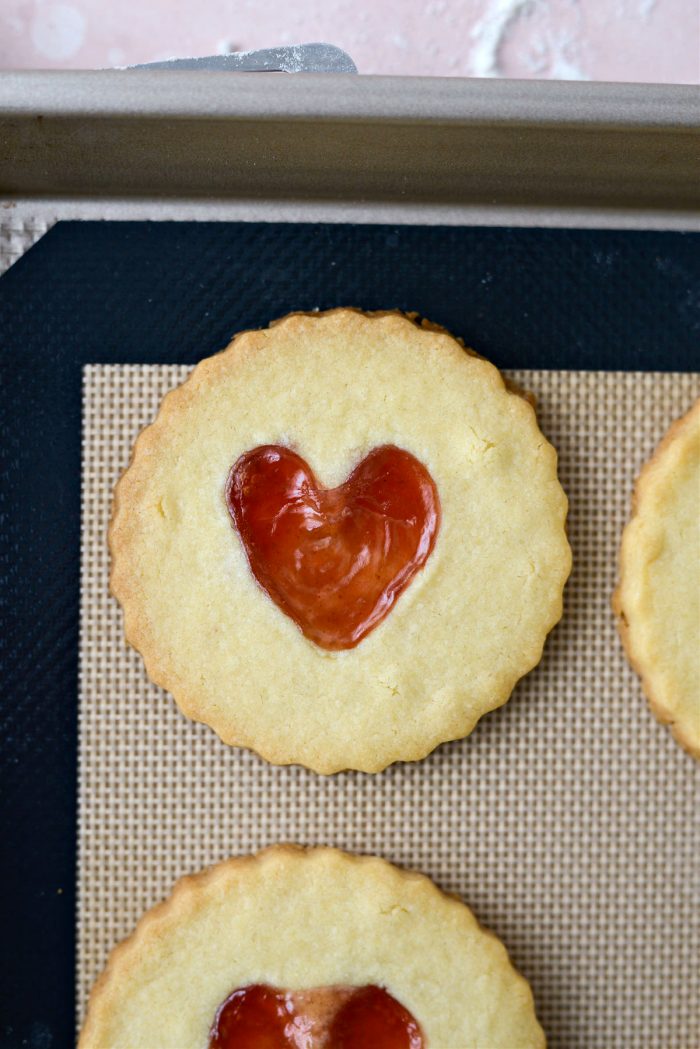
658, 598
351, 950
341, 542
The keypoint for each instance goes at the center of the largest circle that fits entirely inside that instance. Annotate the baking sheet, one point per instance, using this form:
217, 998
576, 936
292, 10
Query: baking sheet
568, 820
94, 143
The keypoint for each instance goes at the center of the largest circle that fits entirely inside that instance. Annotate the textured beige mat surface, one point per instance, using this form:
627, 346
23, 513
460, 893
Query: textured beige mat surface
569, 820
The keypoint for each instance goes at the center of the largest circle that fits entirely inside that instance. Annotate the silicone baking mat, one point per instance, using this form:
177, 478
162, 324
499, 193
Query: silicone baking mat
171, 293
568, 820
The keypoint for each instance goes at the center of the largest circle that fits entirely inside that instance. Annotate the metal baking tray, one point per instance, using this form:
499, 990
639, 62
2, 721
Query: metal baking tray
322, 147
154, 143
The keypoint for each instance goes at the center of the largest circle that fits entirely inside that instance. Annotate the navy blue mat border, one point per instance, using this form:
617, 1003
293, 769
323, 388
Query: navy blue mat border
139, 292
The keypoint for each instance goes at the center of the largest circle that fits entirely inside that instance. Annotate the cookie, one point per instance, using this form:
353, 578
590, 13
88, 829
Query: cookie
315, 949
341, 542
657, 601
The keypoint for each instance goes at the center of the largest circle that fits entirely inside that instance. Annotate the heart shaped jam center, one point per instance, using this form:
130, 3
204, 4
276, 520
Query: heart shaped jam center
262, 1017
334, 559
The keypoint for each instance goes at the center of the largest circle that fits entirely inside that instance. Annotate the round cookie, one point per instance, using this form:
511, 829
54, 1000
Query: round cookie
658, 598
304, 921
330, 391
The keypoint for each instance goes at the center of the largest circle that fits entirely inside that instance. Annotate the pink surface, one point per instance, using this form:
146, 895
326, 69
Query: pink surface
644, 40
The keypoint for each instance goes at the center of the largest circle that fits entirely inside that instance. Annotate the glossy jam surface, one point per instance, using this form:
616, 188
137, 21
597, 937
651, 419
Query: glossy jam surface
371, 1017
262, 1017
251, 1018
334, 559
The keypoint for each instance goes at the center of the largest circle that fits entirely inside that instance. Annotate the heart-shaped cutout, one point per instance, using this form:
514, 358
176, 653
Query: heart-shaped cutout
334, 559
263, 1017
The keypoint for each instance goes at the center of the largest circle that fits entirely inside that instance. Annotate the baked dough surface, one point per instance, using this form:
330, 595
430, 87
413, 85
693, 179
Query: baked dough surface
658, 599
333, 386
299, 919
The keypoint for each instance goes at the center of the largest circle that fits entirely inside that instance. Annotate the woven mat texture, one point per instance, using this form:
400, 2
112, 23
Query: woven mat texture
569, 820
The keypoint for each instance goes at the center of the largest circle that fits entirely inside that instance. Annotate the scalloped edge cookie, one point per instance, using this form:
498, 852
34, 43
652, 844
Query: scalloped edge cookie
674, 702
354, 919
331, 735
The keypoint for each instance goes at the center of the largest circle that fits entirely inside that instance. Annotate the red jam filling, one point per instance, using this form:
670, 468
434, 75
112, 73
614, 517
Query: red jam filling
261, 1017
252, 1018
371, 1017
334, 559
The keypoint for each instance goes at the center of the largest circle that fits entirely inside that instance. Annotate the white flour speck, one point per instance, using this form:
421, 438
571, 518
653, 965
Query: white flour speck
534, 45
58, 31
489, 33
225, 47
562, 68
642, 9
399, 40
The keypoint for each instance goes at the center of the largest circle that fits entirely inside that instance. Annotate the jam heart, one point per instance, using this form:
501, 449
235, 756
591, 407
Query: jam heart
262, 1017
334, 559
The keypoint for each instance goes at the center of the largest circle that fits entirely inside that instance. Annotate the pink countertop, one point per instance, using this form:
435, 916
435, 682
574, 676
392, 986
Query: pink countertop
642, 40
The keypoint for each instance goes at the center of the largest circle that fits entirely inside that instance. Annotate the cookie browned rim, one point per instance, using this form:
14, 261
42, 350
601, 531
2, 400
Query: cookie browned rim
686, 730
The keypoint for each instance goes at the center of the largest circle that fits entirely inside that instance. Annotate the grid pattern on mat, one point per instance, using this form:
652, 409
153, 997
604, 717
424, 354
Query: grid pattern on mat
17, 236
569, 820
